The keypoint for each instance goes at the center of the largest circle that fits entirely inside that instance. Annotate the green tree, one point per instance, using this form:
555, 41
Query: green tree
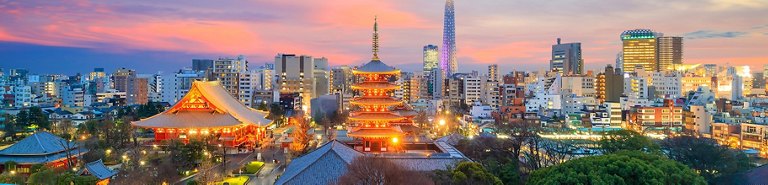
615, 141
263, 106
47, 176
706, 156
626, 167
9, 123
37, 117
467, 173
509, 173
276, 113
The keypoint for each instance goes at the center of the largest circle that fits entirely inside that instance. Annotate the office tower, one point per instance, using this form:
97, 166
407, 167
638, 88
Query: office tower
122, 78
202, 64
295, 79
435, 82
758, 80
566, 58
448, 62
609, 85
639, 49
737, 87
342, 79
667, 85
670, 52
227, 71
493, 73
97, 73
322, 76
138, 91
431, 58
620, 60
176, 85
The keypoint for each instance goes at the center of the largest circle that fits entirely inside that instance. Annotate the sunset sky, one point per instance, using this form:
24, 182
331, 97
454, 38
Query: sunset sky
52, 36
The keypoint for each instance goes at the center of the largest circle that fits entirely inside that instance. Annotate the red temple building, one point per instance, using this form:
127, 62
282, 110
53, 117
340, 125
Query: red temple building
209, 110
375, 125
39, 148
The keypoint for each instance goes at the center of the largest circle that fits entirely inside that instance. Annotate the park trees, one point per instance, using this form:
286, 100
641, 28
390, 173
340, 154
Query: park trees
706, 156
625, 167
615, 141
466, 173
370, 170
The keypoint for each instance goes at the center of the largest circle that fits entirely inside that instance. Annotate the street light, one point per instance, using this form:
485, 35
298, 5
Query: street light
442, 122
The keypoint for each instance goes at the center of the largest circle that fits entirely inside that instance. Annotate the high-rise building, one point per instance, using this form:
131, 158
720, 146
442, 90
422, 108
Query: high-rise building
176, 85
227, 71
493, 73
97, 74
202, 64
138, 91
670, 52
620, 60
448, 61
431, 57
122, 78
342, 79
295, 75
566, 58
609, 85
322, 76
639, 49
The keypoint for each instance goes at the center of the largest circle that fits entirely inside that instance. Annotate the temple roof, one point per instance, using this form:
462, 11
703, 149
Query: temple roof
376, 132
40, 147
39, 143
98, 170
375, 85
385, 101
207, 104
376, 66
321, 166
374, 116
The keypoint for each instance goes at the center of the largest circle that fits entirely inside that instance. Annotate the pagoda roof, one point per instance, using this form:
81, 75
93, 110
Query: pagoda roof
206, 105
376, 66
376, 132
375, 85
374, 116
98, 170
385, 101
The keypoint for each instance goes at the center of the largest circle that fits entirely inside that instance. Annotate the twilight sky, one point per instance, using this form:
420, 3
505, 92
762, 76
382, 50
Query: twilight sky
65, 36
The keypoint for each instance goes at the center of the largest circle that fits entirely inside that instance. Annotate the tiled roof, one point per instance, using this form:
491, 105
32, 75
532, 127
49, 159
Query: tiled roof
376, 132
190, 120
375, 66
216, 95
39, 143
375, 116
321, 166
97, 169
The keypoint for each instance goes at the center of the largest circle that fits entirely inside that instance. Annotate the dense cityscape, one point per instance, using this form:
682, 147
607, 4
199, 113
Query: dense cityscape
649, 118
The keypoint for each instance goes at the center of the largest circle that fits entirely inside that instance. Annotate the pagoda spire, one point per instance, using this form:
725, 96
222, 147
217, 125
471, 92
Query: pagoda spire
375, 38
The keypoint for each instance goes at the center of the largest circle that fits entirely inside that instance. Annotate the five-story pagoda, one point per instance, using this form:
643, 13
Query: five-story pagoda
372, 121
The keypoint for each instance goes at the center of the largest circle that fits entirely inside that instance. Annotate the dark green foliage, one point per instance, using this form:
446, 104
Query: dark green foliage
9, 125
186, 156
52, 177
706, 156
149, 109
32, 116
627, 167
11, 179
615, 141
466, 173
262, 106
276, 113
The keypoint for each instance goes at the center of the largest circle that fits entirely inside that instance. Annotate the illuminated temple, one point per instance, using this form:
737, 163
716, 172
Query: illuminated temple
207, 110
374, 124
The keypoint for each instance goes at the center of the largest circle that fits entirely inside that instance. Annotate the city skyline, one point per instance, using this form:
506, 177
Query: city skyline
516, 35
